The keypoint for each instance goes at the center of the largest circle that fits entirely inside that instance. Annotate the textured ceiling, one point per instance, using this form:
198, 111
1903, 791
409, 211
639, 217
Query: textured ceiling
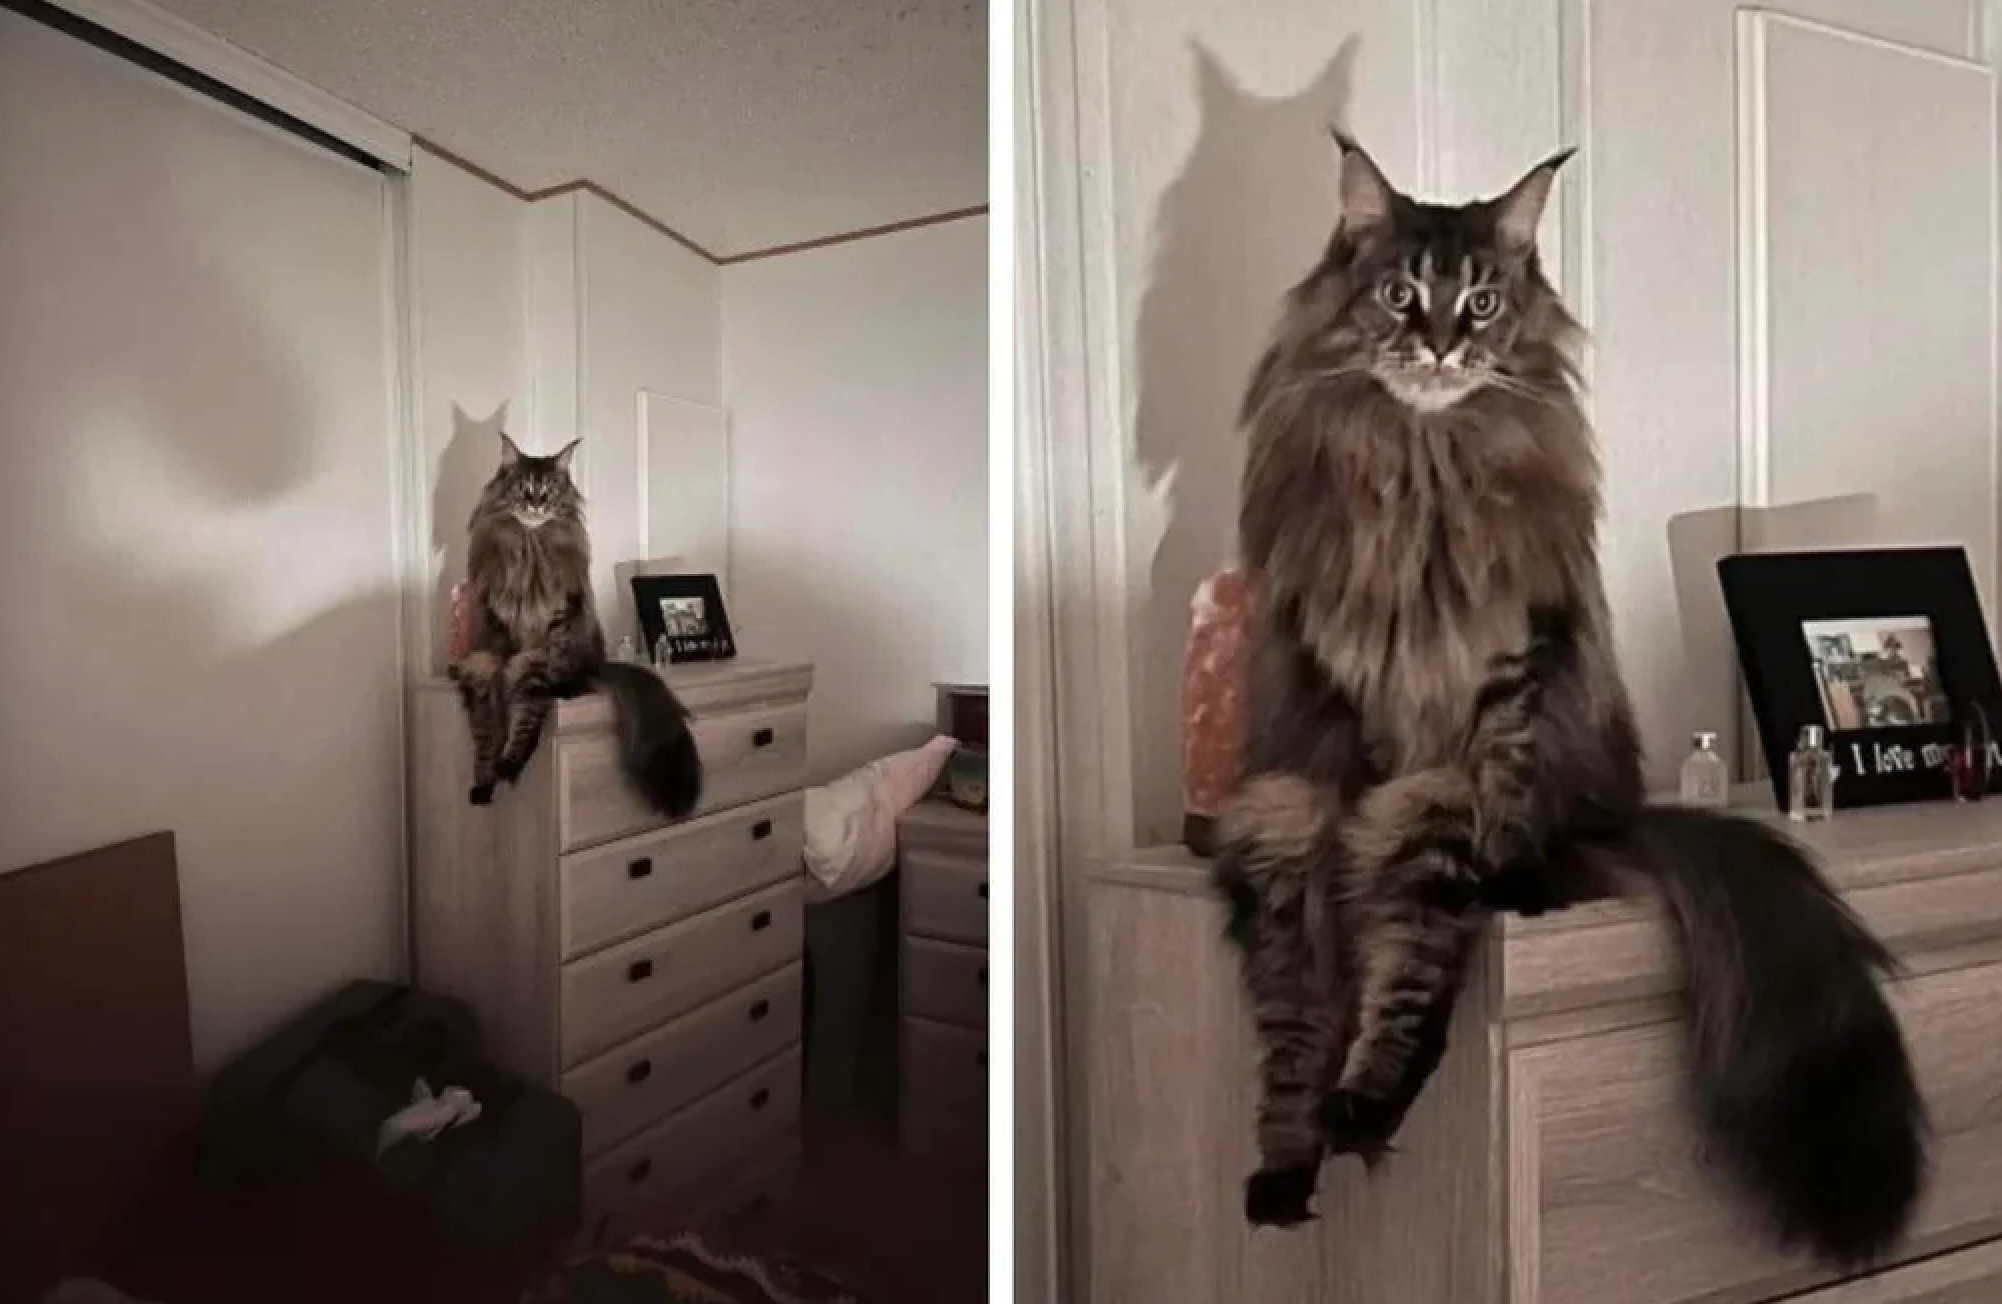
742, 124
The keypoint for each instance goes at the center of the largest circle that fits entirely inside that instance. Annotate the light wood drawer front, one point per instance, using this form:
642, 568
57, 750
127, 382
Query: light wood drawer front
1969, 1277
627, 989
629, 1087
1610, 1201
944, 1062
629, 887
945, 982
748, 754
945, 896
1606, 952
699, 1145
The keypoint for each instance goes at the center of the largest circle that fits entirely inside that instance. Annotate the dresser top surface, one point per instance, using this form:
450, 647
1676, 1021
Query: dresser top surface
1856, 848
693, 675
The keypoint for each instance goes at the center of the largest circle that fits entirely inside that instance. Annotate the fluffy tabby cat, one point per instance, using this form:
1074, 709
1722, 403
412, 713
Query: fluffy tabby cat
1438, 729
535, 638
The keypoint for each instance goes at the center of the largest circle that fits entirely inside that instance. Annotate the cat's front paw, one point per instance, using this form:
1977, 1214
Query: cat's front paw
1353, 1124
1280, 1197
506, 771
481, 794
1528, 890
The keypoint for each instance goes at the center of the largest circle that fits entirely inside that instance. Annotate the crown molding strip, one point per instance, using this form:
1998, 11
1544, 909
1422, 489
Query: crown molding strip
231, 74
847, 237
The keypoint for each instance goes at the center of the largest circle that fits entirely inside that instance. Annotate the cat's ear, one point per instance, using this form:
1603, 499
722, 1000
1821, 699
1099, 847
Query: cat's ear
565, 453
1520, 211
1367, 196
510, 452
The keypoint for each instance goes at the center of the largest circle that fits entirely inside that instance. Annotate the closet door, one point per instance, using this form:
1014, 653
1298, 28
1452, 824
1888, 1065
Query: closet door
198, 611
1779, 232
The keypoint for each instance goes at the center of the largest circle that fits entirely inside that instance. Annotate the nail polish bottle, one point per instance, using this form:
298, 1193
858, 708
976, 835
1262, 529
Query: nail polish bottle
1811, 776
1705, 779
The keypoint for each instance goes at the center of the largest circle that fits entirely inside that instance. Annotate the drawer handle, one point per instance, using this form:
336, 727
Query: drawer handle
760, 1098
760, 1010
983, 975
639, 1072
761, 830
983, 889
640, 1171
639, 971
761, 921
761, 738
639, 868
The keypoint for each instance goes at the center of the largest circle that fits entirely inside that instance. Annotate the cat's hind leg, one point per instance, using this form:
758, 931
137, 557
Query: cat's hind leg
1274, 867
482, 692
529, 700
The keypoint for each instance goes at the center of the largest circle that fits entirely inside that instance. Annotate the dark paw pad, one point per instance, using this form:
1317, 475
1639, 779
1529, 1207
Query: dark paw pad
481, 794
1279, 1197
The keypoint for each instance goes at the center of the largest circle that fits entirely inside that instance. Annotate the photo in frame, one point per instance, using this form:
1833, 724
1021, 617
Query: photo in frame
1886, 649
687, 611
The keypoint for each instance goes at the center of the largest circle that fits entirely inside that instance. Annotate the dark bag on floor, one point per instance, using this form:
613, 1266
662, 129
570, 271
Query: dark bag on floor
315, 1093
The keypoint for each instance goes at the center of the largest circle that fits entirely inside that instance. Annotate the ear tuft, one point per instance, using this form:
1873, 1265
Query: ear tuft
510, 451
1520, 211
566, 453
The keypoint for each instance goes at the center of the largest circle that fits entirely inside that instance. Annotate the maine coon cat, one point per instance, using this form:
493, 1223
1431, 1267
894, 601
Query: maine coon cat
535, 637
1437, 729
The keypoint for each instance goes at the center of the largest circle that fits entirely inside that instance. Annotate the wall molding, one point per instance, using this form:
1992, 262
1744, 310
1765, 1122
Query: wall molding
238, 69
587, 186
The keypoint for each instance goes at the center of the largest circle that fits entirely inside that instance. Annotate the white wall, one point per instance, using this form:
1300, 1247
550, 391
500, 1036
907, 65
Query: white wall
614, 308
856, 378
198, 541
469, 292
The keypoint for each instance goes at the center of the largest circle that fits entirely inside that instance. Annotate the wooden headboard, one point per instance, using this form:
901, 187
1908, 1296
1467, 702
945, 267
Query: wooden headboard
96, 1073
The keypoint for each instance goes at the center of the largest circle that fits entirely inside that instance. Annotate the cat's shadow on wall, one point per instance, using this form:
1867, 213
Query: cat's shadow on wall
1243, 222
463, 469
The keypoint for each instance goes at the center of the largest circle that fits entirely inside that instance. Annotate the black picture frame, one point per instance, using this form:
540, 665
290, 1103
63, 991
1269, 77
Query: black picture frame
700, 629
1828, 638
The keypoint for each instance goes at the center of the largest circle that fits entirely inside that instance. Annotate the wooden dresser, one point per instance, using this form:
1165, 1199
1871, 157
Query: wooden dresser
942, 865
1551, 1160
650, 971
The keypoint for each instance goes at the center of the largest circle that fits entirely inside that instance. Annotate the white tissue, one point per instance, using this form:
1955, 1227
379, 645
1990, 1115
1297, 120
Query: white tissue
427, 1115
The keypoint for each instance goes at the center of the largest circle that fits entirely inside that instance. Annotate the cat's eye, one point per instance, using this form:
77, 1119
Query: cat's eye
1397, 294
1483, 304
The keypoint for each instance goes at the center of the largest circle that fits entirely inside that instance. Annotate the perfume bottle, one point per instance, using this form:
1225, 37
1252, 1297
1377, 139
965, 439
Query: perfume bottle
1705, 780
1811, 776
662, 656
626, 650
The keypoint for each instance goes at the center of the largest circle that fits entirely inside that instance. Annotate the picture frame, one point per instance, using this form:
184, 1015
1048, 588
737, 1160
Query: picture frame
687, 611
1886, 649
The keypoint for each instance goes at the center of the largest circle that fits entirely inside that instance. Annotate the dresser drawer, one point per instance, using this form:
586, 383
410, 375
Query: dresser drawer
945, 896
945, 982
700, 1145
746, 754
1969, 1277
629, 887
945, 1063
1611, 1200
626, 989
625, 1089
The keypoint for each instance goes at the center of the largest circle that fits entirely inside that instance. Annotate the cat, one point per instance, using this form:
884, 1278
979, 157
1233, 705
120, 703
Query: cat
1437, 729
535, 638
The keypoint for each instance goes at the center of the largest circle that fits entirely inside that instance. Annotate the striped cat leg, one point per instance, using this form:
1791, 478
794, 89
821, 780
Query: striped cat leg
528, 704
1274, 866
1412, 961
478, 677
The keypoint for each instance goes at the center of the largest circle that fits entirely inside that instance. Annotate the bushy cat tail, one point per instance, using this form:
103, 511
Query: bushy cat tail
655, 745
1802, 1082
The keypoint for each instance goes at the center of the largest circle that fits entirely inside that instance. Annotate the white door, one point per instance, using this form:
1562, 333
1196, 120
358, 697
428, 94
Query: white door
198, 604
1779, 233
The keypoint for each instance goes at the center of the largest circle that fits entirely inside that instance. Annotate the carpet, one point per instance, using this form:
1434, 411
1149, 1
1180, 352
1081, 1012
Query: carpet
685, 1269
